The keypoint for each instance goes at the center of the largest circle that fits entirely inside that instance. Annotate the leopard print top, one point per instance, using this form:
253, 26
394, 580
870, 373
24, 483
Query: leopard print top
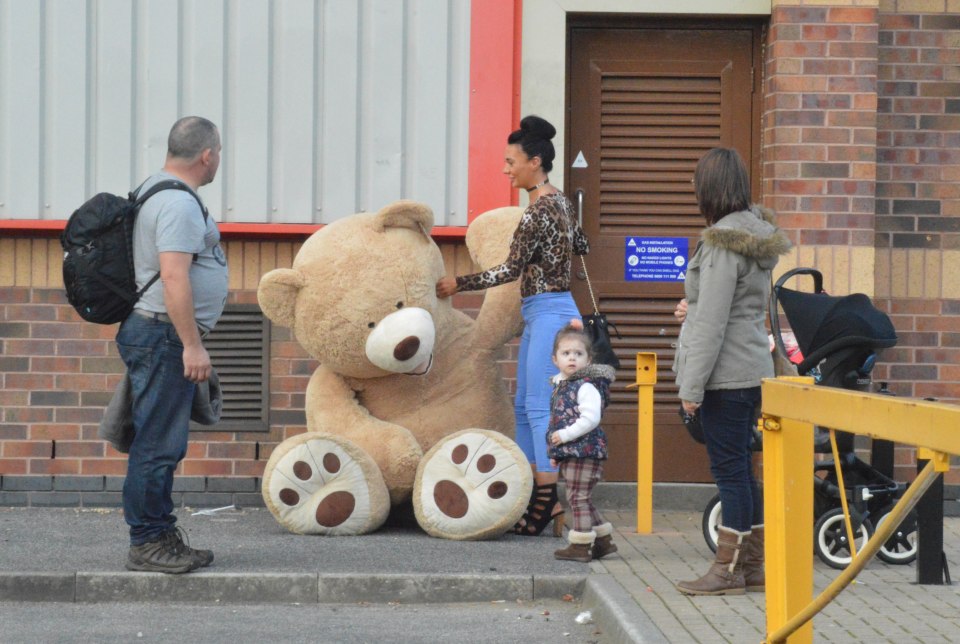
543, 245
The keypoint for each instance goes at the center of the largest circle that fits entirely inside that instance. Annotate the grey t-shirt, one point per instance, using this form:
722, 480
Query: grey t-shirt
171, 220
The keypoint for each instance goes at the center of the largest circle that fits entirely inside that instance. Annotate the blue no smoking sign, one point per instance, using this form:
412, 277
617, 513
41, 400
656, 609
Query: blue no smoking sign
655, 259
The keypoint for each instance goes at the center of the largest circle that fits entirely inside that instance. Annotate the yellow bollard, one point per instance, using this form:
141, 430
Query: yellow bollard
646, 379
788, 516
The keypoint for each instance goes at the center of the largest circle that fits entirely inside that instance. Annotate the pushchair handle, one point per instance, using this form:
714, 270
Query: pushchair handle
817, 278
774, 310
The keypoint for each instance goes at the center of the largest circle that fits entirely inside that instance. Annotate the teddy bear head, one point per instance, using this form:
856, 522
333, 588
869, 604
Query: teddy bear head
360, 295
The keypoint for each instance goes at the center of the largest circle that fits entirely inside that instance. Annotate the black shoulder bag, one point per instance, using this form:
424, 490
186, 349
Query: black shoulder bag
597, 327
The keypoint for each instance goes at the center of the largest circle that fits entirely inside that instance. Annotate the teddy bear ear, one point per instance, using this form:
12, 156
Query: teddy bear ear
405, 214
277, 294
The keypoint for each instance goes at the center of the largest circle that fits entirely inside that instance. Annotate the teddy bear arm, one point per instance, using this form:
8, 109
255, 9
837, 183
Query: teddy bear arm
488, 240
332, 407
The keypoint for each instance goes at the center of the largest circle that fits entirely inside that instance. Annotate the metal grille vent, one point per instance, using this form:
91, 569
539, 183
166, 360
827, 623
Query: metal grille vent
653, 130
239, 349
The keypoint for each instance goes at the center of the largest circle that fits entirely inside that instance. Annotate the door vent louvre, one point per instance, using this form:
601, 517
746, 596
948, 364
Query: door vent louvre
653, 129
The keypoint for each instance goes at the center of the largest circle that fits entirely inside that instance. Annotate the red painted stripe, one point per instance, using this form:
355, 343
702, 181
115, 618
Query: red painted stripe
53, 227
494, 100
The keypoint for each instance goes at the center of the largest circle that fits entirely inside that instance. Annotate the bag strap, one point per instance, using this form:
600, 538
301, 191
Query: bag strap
596, 310
139, 200
168, 184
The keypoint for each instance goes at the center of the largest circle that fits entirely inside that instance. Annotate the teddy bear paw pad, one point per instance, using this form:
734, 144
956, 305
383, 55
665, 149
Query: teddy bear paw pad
474, 484
320, 484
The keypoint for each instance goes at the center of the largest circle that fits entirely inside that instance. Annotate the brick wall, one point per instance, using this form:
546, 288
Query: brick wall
58, 373
819, 138
861, 161
918, 199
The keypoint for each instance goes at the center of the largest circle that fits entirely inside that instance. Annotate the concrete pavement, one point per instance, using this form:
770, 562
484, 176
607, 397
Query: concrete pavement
76, 555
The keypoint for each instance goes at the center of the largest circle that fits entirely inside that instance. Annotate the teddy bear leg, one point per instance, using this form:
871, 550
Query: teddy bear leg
474, 484
318, 483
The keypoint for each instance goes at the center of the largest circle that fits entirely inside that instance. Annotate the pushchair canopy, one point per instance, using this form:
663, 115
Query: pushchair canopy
825, 323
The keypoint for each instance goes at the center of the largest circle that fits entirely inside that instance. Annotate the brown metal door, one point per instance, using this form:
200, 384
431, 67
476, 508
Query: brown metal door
644, 104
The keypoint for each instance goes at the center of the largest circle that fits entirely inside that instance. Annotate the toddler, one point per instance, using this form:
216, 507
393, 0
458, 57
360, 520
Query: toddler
576, 441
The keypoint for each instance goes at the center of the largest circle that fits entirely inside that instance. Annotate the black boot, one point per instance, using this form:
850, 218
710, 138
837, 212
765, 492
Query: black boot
538, 514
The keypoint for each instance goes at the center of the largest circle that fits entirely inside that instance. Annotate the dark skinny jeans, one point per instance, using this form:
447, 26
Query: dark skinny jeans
728, 417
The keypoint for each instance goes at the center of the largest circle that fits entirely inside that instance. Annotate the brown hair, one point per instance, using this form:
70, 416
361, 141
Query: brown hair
571, 331
721, 183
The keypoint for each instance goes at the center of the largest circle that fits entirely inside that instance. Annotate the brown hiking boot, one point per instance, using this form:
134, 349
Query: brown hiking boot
162, 555
754, 578
580, 548
725, 576
202, 557
603, 545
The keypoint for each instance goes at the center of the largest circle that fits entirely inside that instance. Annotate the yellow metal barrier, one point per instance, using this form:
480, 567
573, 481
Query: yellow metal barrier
646, 379
791, 407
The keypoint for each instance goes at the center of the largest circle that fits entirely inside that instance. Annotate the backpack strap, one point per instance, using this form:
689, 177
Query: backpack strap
168, 184
139, 200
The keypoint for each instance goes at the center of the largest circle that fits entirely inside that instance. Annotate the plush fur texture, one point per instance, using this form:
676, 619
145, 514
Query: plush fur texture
752, 233
400, 370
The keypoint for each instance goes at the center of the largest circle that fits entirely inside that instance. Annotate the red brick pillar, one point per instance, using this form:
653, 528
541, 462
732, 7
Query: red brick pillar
820, 135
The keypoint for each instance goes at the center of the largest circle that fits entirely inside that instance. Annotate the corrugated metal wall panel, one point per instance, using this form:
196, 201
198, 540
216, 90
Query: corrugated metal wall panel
326, 107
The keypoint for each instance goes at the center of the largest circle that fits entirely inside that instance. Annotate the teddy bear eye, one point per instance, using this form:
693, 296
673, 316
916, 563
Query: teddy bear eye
371, 325
399, 305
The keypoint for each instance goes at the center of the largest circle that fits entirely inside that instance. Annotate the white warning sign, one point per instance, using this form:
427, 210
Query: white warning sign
580, 161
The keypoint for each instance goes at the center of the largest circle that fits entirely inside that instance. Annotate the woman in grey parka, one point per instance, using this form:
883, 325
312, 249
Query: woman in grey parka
722, 355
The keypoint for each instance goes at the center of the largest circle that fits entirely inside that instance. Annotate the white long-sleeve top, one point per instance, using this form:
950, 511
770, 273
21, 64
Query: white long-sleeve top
590, 406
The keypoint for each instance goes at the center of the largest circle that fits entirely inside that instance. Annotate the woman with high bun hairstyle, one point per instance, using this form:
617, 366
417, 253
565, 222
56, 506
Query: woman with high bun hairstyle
541, 252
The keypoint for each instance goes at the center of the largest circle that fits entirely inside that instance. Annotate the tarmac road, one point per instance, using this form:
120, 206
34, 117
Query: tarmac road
500, 622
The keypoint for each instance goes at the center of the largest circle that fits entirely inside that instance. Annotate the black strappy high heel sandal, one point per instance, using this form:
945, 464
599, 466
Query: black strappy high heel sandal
538, 513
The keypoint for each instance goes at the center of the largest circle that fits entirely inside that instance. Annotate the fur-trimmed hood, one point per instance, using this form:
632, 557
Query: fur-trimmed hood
751, 233
591, 371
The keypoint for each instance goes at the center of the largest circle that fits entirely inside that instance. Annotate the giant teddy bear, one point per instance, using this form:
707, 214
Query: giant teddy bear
408, 399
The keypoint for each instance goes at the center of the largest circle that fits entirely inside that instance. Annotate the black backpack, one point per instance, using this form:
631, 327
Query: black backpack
98, 269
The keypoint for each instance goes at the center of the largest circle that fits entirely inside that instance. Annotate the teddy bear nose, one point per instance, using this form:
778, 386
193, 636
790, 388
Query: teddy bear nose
406, 348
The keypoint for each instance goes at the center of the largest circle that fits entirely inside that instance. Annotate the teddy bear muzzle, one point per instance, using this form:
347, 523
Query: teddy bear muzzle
403, 342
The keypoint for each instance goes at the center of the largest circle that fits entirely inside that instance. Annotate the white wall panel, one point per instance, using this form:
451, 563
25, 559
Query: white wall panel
426, 113
157, 66
21, 142
65, 107
458, 112
246, 127
326, 107
293, 103
203, 69
381, 102
110, 87
339, 100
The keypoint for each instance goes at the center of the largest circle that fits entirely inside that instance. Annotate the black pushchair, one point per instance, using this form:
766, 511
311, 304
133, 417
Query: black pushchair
837, 337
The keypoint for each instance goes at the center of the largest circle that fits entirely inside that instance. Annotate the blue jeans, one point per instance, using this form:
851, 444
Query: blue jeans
162, 399
543, 315
728, 417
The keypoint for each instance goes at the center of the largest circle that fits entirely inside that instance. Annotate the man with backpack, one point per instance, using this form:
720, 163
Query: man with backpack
161, 341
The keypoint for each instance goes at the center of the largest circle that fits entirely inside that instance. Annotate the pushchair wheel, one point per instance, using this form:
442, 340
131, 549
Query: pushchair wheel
712, 516
830, 538
901, 547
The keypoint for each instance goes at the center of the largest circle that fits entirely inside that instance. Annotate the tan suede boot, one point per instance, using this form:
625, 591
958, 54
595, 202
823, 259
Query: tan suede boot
754, 578
725, 576
581, 545
603, 545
